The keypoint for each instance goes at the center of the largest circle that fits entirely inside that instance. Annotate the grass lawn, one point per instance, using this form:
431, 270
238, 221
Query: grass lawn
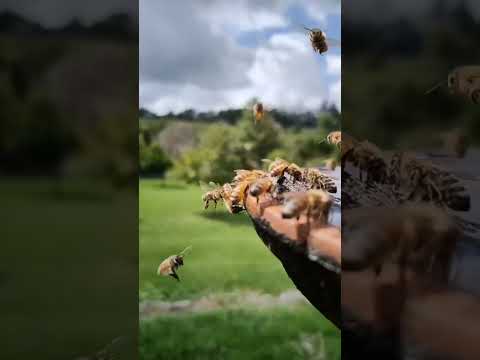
297, 333
227, 256
226, 252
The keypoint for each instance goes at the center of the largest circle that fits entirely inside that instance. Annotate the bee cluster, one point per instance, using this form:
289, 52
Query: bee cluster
301, 191
410, 178
397, 209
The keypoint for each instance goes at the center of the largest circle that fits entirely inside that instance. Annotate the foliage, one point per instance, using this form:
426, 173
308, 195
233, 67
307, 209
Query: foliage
152, 158
211, 152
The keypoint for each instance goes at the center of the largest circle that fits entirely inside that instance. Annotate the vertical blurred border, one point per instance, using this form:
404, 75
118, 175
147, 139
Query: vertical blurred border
69, 182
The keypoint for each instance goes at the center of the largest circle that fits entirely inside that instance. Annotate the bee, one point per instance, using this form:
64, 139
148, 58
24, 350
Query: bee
413, 235
169, 266
335, 138
242, 181
242, 175
279, 167
315, 204
317, 180
261, 186
318, 39
463, 81
368, 158
218, 193
258, 112
421, 180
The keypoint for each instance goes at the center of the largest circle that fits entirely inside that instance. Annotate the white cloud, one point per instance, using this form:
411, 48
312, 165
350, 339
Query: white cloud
334, 64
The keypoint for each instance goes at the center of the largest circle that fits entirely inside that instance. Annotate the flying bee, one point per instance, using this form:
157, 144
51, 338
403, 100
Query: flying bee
317, 180
315, 204
334, 138
320, 42
258, 112
216, 194
261, 186
279, 167
169, 266
463, 81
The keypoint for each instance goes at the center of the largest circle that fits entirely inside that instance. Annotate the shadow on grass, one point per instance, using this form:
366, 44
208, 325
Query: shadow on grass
171, 186
219, 215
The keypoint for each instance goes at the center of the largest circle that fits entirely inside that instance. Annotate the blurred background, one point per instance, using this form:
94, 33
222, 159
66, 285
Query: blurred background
68, 165
202, 67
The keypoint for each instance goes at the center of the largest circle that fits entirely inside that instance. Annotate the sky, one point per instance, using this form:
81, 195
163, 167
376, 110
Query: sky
210, 55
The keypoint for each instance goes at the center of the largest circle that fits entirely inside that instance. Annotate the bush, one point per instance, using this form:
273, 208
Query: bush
153, 160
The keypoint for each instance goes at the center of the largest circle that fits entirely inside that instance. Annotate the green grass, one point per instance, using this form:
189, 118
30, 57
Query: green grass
226, 253
235, 335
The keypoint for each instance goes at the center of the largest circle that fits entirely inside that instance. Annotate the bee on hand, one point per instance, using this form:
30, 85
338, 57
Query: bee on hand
315, 204
169, 266
317, 180
279, 167
261, 186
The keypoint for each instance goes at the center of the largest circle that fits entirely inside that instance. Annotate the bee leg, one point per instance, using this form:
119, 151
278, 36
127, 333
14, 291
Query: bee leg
215, 204
174, 275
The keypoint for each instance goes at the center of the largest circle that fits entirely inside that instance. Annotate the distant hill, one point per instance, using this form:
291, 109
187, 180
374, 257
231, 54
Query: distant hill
231, 116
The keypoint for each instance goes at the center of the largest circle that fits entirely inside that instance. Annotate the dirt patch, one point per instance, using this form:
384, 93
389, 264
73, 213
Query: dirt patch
150, 309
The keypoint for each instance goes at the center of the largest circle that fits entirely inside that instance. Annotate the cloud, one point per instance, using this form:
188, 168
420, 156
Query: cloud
334, 64
190, 57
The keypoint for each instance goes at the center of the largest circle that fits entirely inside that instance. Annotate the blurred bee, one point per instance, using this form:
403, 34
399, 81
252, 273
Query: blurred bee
463, 81
317, 180
422, 180
334, 138
315, 204
320, 42
258, 112
368, 158
412, 235
456, 142
261, 186
279, 167
218, 193
169, 266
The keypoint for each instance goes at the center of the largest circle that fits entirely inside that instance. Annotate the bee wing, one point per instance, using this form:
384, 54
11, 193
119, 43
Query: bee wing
188, 248
435, 87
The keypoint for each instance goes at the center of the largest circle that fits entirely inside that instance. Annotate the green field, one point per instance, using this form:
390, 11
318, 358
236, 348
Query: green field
226, 257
